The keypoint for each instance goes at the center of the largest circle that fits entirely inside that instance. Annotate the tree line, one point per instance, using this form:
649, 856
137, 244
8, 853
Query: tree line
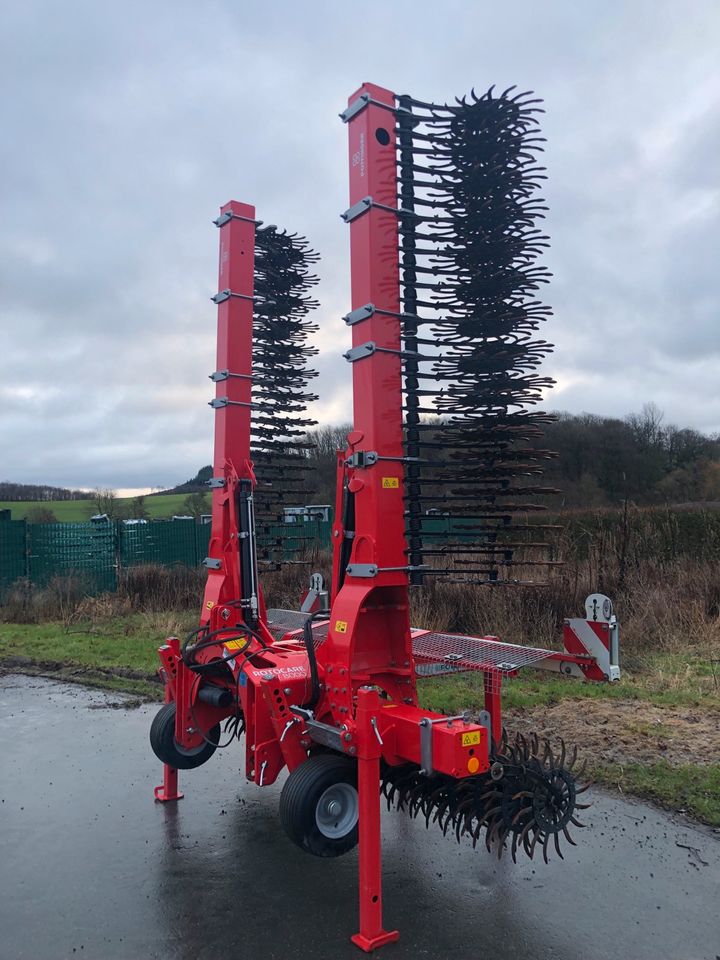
604, 461
40, 492
601, 461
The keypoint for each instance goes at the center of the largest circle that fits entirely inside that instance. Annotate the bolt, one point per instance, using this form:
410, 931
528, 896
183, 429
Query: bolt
347, 737
352, 751
287, 691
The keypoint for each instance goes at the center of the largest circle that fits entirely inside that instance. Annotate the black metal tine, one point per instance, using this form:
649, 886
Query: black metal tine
568, 837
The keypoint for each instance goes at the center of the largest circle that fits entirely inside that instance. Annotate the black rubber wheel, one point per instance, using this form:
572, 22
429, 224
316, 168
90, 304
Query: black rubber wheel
168, 750
319, 805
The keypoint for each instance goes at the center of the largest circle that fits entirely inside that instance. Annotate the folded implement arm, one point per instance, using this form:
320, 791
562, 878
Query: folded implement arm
444, 362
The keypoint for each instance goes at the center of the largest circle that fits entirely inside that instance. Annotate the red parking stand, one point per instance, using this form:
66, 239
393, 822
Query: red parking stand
168, 789
372, 934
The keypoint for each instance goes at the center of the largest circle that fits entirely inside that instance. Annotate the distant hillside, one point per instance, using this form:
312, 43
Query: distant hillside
197, 484
40, 492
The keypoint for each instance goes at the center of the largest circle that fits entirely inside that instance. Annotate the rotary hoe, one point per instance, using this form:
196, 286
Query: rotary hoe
441, 478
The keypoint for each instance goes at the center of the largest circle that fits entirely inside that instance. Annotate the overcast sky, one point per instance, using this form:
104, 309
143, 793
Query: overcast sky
124, 126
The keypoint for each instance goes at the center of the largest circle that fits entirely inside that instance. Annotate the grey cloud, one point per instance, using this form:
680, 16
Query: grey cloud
125, 127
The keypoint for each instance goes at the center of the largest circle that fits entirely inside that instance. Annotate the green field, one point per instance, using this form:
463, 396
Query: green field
72, 511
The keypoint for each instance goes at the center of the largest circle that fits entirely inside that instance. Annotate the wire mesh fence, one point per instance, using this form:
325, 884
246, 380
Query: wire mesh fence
95, 552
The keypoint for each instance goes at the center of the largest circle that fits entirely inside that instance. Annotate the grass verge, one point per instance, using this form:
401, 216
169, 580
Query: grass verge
689, 788
662, 683
120, 653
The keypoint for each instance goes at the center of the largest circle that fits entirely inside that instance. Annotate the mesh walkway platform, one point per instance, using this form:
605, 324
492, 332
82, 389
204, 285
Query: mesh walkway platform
435, 653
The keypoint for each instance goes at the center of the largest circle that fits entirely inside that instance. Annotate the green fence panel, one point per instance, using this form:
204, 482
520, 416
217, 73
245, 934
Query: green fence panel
158, 541
13, 551
95, 551
298, 538
202, 540
82, 550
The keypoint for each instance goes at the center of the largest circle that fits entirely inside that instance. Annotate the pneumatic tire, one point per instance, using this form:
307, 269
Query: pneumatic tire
319, 805
168, 750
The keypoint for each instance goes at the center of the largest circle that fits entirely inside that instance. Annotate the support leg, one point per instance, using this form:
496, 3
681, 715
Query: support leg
168, 789
371, 933
493, 704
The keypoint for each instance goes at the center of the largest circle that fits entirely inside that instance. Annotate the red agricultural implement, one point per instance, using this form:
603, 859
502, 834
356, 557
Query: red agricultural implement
438, 480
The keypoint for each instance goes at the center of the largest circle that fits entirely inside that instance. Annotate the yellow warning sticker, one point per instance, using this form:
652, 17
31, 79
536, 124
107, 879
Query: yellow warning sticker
341, 626
210, 604
470, 739
239, 644
390, 483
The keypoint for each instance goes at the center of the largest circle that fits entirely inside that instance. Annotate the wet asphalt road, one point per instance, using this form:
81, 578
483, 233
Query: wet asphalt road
91, 867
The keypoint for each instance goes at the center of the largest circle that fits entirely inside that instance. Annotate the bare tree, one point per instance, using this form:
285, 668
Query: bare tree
137, 508
196, 504
105, 501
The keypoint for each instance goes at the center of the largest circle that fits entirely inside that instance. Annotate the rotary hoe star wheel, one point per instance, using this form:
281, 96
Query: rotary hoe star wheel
526, 801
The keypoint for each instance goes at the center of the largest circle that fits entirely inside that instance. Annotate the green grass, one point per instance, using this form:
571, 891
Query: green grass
661, 682
131, 642
90, 653
72, 511
694, 789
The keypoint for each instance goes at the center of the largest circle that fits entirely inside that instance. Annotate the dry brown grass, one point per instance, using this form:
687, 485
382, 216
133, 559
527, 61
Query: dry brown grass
661, 569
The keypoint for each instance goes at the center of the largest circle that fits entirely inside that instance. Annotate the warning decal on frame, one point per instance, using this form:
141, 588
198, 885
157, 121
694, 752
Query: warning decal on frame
470, 739
341, 626
390, 483
238, 644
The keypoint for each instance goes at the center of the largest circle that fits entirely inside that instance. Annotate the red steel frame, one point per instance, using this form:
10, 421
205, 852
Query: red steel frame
366, 668
232, 422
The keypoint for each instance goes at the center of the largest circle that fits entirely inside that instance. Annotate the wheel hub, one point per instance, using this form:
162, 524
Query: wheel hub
336, 813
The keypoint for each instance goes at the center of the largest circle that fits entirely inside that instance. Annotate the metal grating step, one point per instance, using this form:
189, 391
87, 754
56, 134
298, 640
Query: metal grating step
281, 622
435, 653
448, 653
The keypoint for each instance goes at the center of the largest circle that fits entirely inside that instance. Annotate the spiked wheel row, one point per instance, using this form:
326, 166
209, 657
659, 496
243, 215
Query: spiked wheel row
526, 801
468, 182
280, 378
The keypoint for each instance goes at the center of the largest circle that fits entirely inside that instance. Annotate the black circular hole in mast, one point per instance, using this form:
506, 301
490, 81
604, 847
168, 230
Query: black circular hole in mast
382, 136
